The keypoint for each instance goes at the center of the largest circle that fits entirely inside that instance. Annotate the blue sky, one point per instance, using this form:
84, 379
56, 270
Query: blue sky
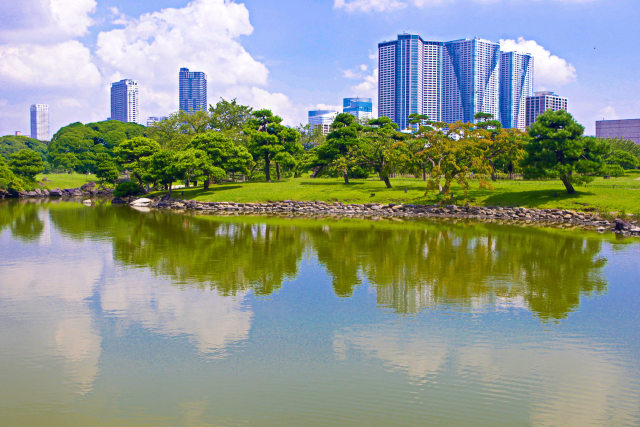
292, 56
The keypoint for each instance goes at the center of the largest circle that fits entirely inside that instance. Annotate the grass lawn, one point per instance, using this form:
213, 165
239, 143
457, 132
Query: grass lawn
65, 180
603, 195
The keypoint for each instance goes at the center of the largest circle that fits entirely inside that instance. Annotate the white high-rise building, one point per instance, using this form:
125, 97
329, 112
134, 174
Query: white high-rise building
516, 84
447, 81
124, 101
40, 122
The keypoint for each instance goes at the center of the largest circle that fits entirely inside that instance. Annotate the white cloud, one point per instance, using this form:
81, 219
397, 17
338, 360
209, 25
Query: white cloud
73, 15
67, 64
45, 21
550, 71
369, 5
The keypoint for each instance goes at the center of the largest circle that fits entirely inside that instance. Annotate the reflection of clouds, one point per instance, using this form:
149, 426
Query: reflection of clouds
54, 314
568, 382
571, 385
416, 356
214, 321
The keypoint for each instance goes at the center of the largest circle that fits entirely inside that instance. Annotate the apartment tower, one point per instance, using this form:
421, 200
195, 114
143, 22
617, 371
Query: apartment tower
192, 90
124, 101
40, 122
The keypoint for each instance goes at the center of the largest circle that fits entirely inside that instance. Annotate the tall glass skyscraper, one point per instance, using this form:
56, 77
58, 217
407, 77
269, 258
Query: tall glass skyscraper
124, 101
516, 84
447, 81
542, 101
40, 122
362, 108
322, 119
192, 90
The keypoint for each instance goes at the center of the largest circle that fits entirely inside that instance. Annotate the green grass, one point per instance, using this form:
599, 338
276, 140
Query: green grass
603, 195
65, 180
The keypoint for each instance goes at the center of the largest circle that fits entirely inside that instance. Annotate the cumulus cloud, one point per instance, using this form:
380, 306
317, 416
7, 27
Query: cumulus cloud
45, 20
393, 5
202, 36
550, 70
64, 65
369, 5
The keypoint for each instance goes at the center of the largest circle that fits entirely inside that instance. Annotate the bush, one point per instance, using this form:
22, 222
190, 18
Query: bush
612, 170
127, 188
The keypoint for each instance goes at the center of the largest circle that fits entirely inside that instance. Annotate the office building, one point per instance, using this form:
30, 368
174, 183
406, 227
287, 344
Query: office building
621, 129
154, 119
449, 81
541, 102
124, 101
362, 108
322, 119
192, 90
516, 85
40, 122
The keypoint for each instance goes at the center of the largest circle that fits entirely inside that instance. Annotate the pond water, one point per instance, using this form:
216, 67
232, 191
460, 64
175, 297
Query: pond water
112, 316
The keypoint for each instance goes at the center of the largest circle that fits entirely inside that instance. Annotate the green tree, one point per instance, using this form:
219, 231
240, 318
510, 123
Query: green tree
13, 143
161, 168
343, 145
557, 149
134, 154
383, 148
223, 154
624, 159
26, 164
229, 115
8, 180
106, 169
267, 138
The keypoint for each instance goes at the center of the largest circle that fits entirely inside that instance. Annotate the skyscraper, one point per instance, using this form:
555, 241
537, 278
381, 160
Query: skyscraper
362, 108
322, 119
447, 81
541, 102
516, 84
124, 101
40, 122
193, 90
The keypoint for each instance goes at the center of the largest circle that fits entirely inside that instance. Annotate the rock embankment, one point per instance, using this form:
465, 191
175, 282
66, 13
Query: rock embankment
87, 190
506, 214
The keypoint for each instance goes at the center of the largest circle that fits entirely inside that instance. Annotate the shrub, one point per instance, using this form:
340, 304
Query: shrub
127, 188
612, 170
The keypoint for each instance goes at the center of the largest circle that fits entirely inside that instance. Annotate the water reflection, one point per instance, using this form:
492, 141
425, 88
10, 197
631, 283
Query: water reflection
413, 265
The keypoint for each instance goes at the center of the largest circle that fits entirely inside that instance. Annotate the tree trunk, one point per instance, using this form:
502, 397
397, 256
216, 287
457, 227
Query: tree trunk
345, 175
207, 182
186, 183
424, 172
494, 178
444, 189
567, 184
278, 171
386, 181
267, 167
169, 190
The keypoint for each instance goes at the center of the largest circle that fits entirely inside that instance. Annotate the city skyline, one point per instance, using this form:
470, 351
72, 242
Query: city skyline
192, 90
265, 58
39, 118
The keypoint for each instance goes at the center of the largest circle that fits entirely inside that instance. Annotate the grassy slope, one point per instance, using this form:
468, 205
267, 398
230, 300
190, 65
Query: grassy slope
65, 180
600, 194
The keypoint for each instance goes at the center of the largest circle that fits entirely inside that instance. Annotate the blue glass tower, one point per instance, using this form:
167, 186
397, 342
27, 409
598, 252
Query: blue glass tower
362, 108
192, 90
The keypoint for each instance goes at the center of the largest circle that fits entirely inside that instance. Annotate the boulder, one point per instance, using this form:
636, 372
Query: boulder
118, 201
143, 201
56, 192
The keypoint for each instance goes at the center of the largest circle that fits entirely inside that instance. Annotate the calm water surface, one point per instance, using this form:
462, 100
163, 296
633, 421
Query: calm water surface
111, 316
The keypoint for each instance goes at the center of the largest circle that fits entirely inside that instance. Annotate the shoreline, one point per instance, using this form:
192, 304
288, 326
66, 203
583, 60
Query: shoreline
531, 216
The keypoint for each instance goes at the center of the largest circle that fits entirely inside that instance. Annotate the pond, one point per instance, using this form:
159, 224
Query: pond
113, 316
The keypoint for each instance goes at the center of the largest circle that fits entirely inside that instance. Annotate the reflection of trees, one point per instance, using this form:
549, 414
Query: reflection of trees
461, 264
22, 219
412, 265
228, 256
